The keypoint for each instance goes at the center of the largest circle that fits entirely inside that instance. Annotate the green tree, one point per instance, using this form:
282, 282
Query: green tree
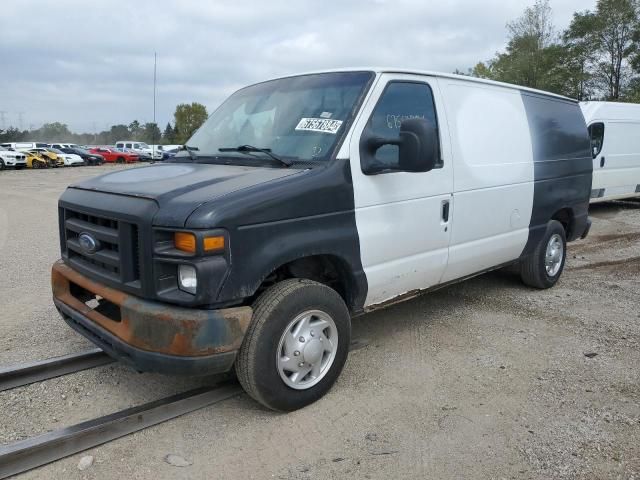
116, 133
188, 118
168, 135
150, 133
13, 134
53, 132
482, 70
135, 130
610, 35
532, 53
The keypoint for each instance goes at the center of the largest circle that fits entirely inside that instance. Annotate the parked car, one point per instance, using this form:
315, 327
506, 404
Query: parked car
61, 146
253, 249
614, 129
142, 156
112, 155
169, 154
70, 159
88, 157
140, 148
53, 157
36, 160
12, 159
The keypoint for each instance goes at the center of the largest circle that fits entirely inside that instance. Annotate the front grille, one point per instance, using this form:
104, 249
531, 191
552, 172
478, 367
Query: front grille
117, 257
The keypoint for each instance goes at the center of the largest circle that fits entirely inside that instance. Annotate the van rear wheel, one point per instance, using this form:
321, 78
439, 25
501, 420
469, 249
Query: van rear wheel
296, 345
543, 267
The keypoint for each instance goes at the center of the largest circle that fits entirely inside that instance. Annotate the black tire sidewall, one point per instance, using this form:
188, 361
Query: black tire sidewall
554, 227
272, 389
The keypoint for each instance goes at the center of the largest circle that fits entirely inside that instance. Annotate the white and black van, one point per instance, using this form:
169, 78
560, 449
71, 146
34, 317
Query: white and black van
306, 200
614, 129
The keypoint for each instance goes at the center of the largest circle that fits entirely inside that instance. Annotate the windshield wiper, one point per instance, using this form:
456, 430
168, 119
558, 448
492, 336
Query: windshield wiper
190, 150
251, 149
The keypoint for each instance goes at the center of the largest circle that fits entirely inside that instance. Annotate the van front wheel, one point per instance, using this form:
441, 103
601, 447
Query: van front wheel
543, 267
296, 345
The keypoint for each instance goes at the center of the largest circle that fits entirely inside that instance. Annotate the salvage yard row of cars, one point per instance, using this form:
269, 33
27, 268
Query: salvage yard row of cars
18, 155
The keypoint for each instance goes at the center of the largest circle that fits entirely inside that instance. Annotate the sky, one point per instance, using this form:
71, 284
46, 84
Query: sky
89, 64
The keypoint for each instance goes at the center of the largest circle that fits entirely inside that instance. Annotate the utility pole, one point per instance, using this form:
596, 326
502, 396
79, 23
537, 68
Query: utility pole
20, 119
153, 134
2, 119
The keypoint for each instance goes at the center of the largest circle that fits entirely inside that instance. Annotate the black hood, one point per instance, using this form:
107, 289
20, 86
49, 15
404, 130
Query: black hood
179, 189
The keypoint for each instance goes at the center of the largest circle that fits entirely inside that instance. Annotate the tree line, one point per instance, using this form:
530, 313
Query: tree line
596, 58
187, 119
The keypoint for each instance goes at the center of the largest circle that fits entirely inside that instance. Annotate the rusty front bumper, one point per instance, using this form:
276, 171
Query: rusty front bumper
150, 336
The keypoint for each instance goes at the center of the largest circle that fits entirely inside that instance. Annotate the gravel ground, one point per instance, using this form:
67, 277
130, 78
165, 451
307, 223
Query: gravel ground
484, 379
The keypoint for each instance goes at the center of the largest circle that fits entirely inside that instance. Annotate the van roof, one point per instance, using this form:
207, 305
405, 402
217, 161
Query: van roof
610, 111
453, 76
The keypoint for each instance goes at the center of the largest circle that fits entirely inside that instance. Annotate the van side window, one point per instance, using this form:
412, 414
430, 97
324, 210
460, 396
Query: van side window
400, 101
596, 133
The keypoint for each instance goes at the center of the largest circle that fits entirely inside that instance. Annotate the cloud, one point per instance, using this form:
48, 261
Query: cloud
90, 64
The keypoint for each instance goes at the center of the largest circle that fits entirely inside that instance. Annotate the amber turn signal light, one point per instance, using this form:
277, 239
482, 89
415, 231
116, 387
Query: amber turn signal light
185, 241
213, 244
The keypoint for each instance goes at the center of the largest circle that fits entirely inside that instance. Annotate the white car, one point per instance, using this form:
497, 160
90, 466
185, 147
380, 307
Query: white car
63, 145
11, 159
70, 159
140, 147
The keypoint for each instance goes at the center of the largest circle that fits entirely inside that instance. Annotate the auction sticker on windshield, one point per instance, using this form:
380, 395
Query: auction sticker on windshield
322, 125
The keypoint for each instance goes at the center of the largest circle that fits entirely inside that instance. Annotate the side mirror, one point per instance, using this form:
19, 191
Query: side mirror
417, 145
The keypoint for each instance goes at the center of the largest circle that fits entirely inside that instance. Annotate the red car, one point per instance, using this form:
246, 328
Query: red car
112, 155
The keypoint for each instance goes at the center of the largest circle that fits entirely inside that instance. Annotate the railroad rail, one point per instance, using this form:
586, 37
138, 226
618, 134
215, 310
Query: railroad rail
27, 373
40, 450
37, 451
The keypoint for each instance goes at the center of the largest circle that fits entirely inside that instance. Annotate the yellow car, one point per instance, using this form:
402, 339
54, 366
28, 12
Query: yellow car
55, 159
36, 160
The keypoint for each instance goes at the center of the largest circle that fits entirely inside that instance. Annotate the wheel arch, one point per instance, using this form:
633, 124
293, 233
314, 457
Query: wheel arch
566, 216
330, 269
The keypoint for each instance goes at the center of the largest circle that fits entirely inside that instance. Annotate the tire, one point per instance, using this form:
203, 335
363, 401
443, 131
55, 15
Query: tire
533, 269
120, 160
257, 364
2, 166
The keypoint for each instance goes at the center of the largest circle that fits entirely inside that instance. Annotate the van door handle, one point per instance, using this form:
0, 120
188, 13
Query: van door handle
445, 211
602, 162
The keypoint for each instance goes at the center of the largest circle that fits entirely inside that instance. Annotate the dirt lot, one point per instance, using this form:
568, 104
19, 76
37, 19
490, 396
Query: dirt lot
484, 379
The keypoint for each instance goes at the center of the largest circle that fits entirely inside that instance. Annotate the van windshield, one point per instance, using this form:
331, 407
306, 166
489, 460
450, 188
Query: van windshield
296, 118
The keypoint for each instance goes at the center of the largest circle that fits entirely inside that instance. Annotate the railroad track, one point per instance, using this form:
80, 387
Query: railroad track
37, 451
34, 452
27, 373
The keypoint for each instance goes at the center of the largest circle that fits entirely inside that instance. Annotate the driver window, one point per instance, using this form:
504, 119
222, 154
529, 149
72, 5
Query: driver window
596, 133
400, 101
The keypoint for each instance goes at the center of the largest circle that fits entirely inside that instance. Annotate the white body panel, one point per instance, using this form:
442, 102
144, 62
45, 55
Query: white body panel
403, 240
493, 176
616, 168
486, 177
71, 159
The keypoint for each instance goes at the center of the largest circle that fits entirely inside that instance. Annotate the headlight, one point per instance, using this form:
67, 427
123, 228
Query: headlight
187, 279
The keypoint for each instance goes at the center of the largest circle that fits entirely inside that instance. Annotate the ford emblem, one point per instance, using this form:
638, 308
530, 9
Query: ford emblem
88, 243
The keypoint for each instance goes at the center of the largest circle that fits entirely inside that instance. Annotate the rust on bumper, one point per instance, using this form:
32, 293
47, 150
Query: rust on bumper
154, 326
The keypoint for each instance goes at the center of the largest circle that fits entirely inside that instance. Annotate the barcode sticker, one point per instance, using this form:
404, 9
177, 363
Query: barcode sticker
321, 125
